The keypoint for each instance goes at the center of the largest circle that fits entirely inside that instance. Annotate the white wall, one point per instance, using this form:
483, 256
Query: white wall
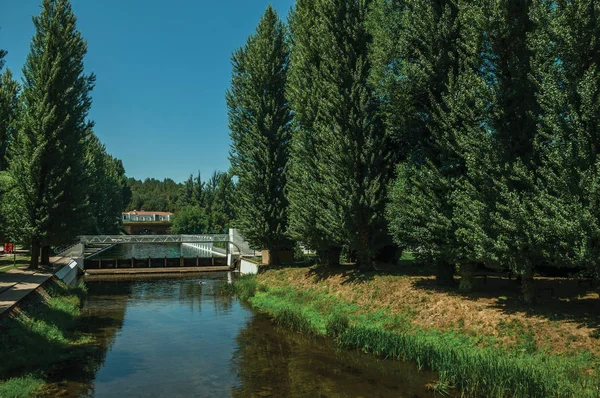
248, 267
68, 273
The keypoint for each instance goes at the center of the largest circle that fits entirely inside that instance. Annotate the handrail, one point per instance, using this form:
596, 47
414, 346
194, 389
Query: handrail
130, 239
62, 249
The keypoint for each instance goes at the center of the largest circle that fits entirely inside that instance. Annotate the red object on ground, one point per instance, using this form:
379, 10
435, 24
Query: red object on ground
11, 248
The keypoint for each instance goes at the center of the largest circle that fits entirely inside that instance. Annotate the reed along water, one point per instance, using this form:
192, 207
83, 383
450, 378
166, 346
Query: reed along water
179, 337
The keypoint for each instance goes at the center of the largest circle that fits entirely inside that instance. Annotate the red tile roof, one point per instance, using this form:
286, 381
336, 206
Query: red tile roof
148, 213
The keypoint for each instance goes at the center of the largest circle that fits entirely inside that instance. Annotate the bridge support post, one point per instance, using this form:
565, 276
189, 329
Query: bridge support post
181, 261
99, 263
228, 247
149, 262
165, 262
197, 261
132, 261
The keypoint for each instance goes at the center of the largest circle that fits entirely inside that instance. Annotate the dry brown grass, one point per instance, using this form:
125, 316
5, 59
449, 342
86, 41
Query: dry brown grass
562, 324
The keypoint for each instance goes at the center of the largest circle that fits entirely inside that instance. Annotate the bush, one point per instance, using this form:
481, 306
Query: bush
245, 287
337, 324
21, 387
295, 320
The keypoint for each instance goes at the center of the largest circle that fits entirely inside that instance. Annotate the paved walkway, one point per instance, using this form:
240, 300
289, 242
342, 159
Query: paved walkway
17, 283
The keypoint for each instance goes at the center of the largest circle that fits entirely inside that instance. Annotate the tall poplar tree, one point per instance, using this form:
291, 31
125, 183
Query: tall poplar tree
47, 156
9, 104
259, 120
353, 162
528, 209
304, 182
569, 135
415, 62
106, 182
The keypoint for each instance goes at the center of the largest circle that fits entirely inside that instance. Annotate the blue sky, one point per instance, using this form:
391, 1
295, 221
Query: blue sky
162, 70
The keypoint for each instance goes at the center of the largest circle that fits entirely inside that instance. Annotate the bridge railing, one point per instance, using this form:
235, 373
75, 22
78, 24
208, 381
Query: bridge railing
129, 239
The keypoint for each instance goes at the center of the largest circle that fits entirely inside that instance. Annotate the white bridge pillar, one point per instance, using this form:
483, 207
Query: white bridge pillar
229, 246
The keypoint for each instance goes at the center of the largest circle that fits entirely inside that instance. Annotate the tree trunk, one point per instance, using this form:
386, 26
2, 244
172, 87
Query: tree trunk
274, 257
363, 254
445, 273
45, 255
467, 277
333, 256
35, 255
528, 287
322, 257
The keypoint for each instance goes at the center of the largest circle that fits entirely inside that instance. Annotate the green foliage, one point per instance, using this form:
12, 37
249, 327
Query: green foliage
458, 359
154, 195
216, 197
245, 287
340, 151
21, 387
294, 320
337, 324
191, 220
41, 335
492, 107
9, 106
107, 189
59, 174
259, 120
304, 183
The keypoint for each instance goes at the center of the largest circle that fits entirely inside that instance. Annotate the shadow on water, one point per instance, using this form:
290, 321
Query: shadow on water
274, 362
180, 337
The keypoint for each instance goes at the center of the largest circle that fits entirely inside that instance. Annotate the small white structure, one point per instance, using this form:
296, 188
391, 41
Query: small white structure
147, 216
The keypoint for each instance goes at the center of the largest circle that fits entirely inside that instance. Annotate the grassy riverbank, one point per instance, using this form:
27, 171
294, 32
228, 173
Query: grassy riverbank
8, 261
39, 336
474, 343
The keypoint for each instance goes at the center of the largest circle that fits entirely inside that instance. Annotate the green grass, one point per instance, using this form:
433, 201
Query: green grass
21, 387
7, 262
39, 337
477, 369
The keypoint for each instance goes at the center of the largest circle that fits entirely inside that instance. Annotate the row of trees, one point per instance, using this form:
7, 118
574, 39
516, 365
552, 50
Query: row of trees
199, 206
56, 179
309, 145
467, 131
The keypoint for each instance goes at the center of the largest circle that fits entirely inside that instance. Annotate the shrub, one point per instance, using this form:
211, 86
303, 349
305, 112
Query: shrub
337, 324
295, 320
245, 287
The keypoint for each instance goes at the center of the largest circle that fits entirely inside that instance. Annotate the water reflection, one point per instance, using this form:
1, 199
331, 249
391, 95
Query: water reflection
157, 250
271, 361
178, 337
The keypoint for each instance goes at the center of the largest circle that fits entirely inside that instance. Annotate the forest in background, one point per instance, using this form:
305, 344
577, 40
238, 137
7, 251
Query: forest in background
199, 206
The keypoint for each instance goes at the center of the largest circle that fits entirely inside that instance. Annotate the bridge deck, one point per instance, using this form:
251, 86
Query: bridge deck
132, 239
169, 270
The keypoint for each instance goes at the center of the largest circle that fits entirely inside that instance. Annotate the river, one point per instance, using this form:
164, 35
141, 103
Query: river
179, 337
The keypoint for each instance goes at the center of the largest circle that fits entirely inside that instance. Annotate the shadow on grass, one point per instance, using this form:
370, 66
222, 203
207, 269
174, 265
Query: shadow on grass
557, 299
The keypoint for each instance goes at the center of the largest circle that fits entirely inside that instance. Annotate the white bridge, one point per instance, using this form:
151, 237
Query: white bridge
133, 239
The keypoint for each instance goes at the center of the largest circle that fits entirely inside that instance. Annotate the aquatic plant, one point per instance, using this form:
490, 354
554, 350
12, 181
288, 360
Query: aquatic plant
337, 324
478, 371
245, 287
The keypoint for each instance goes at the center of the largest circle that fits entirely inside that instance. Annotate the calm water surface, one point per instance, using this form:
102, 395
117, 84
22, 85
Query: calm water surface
181, 338
153, 250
